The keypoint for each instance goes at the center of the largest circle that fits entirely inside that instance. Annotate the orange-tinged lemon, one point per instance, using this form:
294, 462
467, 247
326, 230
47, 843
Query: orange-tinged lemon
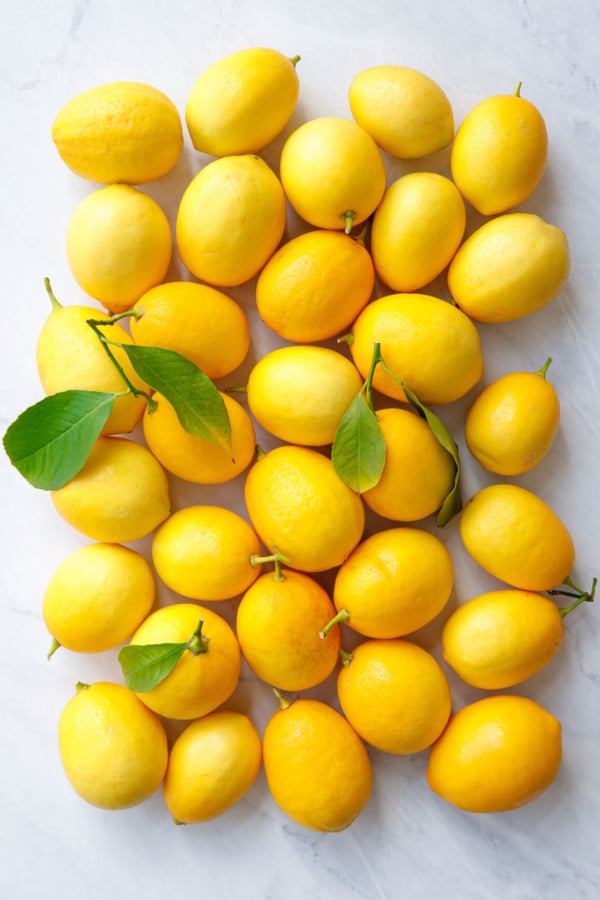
203, 678
316, 766
395, 695
496, 754
516, 537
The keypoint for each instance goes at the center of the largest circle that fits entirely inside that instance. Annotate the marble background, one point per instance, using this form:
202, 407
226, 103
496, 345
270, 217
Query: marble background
408, 843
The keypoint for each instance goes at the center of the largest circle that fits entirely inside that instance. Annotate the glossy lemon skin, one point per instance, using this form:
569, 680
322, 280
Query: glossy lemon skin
417, 228
509, 268
499, 153
122, 132
496, 754
502, 638
406, 113
317, 768
516, 537
241, 102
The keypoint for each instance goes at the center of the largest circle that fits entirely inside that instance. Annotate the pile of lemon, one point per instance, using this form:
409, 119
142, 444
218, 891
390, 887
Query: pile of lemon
495, 754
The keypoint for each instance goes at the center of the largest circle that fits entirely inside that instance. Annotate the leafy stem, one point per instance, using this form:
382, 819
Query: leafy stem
276, 558
96, 325
575, 592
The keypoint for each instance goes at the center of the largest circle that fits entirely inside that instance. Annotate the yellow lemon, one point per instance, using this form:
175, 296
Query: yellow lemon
395, 695
196, 459
118, 245
314, 286
242, 102
509, 268
418, 472
212, 764
496, 754
417, 228
499, 153
208, 672
428, 343
299, 394
278, 624
70, 356
230, 220
123, 132
298, 504
394, 582
332, 172
97, 597
201, 323
113, 749
513, 422
204, 553
406, 113
317, 768
121, 494
516, 537
501, 638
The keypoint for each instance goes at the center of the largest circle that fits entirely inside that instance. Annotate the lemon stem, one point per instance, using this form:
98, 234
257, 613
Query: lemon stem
283, 701
238, 389
348, 217
342, 616
95, 325
50, 292
346, 339
81, 686
517, 92
576, 592
198, 643
346, 657
260, 452
276, 558
542, 372
362, 237
368, 385
294, 60
53, 648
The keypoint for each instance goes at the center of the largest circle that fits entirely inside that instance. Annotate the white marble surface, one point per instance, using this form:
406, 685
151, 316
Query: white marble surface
408, 843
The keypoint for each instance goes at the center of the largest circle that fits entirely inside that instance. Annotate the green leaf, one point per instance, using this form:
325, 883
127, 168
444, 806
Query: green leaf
358, 452
50, 442
452, 503
199, 406
146, 665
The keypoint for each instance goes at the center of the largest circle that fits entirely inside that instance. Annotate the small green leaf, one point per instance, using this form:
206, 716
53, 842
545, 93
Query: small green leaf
146, 665
358, 452
199, 406
50, 442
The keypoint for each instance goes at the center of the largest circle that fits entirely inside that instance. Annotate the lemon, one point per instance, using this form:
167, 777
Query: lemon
69, 356
230, 220
284, 385
516, 537
509, 268
501, 638
512, 424
196, 459
201, 323
418, 472
316, 766
395, 695
212, 764
314, 286
417, 228
121, 494
242, 102
428, 343
298, 504
118, 245
496, 754
97, 597
113, 749
204, 677
394, 582
406, 113
332, 172
278, 623
119, 132
499, 153
204, 553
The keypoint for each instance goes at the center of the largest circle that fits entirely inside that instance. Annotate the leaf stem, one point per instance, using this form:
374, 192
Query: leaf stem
576, 592
368, 386
96, 325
